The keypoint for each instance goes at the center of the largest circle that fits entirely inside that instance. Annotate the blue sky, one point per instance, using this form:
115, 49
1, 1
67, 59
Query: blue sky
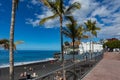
42, 37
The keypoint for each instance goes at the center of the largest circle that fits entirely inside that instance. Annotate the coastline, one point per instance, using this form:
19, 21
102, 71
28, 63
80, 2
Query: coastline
40, 68
26, 57
37, 68
27, 63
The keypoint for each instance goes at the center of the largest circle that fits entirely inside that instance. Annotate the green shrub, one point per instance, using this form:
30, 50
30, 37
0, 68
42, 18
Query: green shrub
112, 44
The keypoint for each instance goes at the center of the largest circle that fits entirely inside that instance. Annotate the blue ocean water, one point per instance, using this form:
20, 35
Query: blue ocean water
25, 56
31, 56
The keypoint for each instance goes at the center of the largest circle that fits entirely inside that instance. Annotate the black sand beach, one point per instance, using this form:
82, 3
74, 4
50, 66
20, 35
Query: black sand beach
39, 68
42, 68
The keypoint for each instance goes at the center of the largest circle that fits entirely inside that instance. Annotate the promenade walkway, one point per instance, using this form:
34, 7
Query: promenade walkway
107, 69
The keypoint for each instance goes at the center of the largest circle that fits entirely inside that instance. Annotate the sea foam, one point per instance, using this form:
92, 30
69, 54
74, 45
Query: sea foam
25, 63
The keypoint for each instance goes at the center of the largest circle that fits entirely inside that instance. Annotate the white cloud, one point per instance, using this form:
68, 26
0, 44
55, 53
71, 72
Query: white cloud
112, 5
33, 22
101, 11
106, 13
45, 14
108, 19
34, 2
52, 23
87, 7
117, 18
28, 6
84, 11
49, 24
108, 32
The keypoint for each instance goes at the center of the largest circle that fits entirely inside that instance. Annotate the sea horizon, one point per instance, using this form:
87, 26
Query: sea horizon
22, 57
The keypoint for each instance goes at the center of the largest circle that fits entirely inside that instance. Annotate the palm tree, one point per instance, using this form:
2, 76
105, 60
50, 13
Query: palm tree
58, 8
92, 28
66, 46
82, 30
74, 32
71, 31
5, 43
11, 57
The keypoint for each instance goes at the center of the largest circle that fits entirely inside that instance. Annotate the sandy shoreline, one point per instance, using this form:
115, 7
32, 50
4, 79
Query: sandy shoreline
37, 68
40, 68
26, 63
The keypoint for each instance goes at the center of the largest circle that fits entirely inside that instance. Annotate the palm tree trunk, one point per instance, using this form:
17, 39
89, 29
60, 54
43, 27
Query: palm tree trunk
11, 52
90, 50
73, 49
82, 48
93, 48
73, 40
61, 37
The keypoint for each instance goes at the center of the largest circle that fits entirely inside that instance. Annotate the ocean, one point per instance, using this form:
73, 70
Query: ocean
25, 57
32, 56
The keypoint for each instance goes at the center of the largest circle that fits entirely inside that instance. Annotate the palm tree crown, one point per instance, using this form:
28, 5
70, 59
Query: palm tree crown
74, 31
91, 26
59, 10
4, 43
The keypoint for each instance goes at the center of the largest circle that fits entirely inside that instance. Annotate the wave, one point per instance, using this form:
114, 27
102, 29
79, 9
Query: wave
24, 63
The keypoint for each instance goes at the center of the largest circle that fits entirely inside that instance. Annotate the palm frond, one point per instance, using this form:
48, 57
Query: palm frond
52, 5
16, 4
94, 33
91, 27
4, 41
48, 18
70, 18
97, 28
6, 46
18, 42
72, 8
85, 36
72, 29
46, 3
66, 33
55, 8
61, 7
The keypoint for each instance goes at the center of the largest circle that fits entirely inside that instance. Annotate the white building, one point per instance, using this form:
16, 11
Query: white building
85, 47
